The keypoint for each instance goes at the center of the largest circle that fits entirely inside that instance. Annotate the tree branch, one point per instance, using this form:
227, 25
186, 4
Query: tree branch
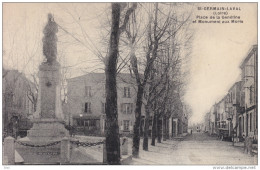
127, 16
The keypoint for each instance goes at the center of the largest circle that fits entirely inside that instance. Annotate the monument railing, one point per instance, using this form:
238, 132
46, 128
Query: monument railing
86, 144
34, 145
9, 144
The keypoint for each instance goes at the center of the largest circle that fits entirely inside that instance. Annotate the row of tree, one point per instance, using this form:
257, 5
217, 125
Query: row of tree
156, 37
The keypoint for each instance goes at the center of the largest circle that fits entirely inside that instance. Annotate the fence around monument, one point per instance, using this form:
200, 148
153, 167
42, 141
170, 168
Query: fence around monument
65, 148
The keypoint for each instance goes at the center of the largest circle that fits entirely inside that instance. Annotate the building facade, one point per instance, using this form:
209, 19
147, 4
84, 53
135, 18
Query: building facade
213, 119
222, 114
177, 122
248, 118
237, 112
234, 109
87, 102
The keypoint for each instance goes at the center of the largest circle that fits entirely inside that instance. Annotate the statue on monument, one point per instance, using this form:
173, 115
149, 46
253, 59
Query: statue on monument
50, 40
49, 104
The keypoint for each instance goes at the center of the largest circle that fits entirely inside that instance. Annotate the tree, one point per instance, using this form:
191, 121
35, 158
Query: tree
112, 129
153, 37
160, 28
32, 93
16, 104
157, 88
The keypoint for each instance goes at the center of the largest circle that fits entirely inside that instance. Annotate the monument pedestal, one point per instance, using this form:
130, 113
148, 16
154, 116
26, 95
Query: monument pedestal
43, 142
47, 129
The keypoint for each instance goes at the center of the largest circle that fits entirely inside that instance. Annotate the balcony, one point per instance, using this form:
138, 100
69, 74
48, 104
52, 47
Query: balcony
241, 110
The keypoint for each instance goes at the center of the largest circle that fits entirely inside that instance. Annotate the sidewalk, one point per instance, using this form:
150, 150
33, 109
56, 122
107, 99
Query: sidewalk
156, 155
241, 146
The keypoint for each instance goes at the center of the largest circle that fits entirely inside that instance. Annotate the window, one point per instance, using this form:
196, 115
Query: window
126, 108
80, 122
127, 92
103, 108
251, 68
92, 123
126, 125
87, 108
150, 121
19, 102
88, 91
256, 124
251, 94
243, 124
250, 119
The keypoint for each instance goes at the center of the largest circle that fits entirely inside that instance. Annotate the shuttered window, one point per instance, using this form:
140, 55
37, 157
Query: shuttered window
87, 108
88, 91
126, 125
127, 92
127, 108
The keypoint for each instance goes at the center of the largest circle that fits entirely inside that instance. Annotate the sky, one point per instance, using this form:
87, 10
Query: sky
217, 49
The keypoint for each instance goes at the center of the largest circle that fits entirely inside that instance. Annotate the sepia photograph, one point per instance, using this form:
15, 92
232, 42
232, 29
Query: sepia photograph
130, 83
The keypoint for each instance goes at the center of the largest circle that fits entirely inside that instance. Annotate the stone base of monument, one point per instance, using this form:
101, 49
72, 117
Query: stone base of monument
47, 129
67, 151
39, 155
43, 142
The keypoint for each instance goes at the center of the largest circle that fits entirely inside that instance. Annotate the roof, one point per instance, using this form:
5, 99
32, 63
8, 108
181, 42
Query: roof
96, 76
251, 51
99, 77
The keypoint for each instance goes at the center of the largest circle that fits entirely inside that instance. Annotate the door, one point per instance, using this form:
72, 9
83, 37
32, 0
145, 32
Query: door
247, 119
240, 127
173, 128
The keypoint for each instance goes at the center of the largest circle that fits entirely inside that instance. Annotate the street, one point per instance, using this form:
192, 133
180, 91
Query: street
195, 149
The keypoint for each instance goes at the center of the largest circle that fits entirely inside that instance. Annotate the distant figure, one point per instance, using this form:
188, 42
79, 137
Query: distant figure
191, 131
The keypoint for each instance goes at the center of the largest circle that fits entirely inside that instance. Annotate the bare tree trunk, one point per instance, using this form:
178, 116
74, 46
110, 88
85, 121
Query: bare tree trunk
168, 128
146, 127
159, 130
151, 55
5, 114
154, 129
164, 128
136, 137
112, 129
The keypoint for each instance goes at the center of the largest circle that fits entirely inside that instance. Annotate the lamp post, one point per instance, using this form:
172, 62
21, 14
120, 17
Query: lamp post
230, 119
81, 115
